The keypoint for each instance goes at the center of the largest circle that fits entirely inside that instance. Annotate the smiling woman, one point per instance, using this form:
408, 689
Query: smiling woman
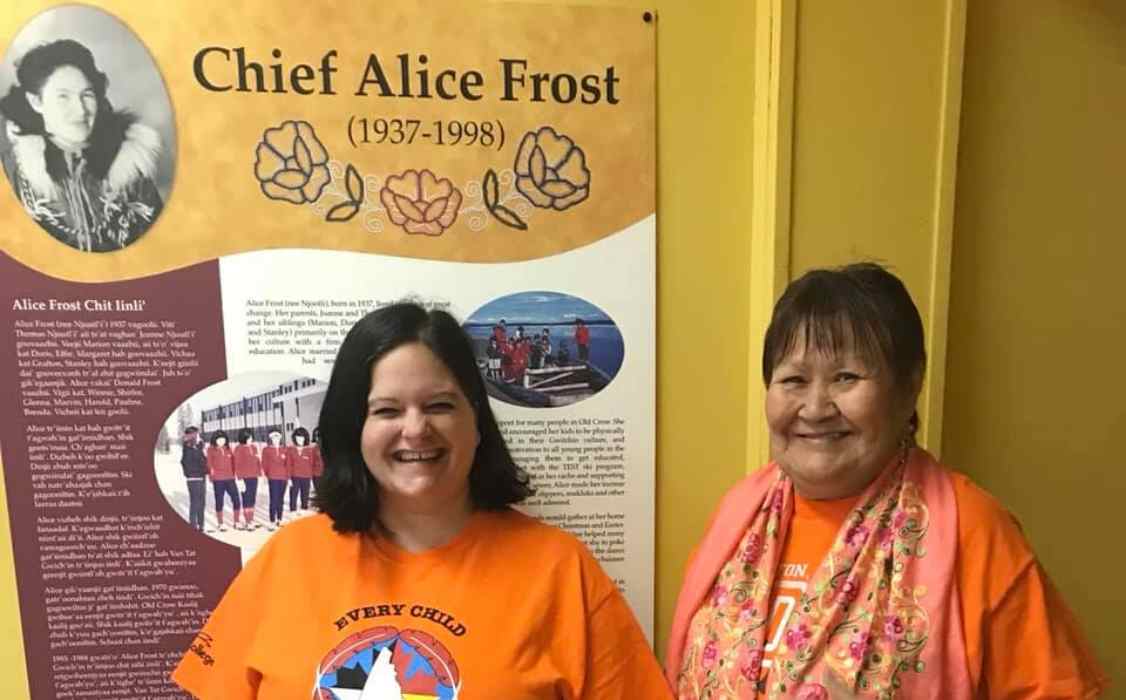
418, 579
418, 442
843, 363
854, 565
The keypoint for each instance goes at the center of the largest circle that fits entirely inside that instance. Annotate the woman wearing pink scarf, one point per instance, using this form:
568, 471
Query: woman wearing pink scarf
854, 565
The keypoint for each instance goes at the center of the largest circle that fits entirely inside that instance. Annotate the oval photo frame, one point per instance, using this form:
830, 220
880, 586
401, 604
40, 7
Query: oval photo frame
87, 131
543, 349
254, 494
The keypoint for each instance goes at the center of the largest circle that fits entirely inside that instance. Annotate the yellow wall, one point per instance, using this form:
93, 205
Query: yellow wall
1036, 379
874, 137
705, 84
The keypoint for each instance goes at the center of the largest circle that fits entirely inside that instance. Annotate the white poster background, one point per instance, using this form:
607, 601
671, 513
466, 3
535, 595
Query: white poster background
616, 274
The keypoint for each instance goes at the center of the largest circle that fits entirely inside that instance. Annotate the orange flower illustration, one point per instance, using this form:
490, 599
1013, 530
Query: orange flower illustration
291, 163
551, 170
420, 202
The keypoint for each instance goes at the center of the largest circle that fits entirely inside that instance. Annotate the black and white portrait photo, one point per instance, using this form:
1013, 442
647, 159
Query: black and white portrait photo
87, 136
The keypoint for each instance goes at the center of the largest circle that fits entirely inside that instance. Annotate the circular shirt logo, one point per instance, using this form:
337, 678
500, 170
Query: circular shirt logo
385, 663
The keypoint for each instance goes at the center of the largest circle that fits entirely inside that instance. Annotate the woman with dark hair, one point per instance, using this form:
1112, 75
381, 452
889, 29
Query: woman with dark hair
248, 466
221, 469
419, 579
82, 170
300, 457
854, 564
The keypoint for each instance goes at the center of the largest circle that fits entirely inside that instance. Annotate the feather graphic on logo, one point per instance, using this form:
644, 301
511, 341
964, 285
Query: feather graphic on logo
382, 682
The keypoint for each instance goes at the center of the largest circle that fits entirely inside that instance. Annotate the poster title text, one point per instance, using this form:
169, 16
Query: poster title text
220, 69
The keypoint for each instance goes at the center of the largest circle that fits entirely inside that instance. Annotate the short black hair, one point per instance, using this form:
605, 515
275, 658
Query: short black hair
303, 433
36, 66
245, 435
863, 304
347, 492
219, 434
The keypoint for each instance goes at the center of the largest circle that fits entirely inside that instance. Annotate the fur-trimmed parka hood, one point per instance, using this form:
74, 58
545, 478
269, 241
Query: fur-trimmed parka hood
121, 152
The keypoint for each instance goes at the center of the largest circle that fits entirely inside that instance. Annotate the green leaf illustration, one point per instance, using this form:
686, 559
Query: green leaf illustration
342, 212
491, 190
355, 185
508, 217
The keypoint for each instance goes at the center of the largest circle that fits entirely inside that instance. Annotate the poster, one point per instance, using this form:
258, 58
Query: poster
200, 199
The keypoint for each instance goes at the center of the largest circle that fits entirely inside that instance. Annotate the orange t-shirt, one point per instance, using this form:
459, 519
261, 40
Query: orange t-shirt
511, 608
1021, 639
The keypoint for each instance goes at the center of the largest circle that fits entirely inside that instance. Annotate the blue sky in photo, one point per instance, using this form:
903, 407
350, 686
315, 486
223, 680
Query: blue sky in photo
532, 308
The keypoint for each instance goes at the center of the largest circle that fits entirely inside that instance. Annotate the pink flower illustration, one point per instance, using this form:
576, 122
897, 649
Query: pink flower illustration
812, 691
719, 596
856, 535
887, 537
420, 202
747, 611
859, 647
848, 591
753, 550
710, 654
750, 663
894, 628
798, 638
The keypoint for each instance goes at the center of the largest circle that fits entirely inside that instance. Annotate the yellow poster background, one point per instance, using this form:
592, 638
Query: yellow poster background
217, 206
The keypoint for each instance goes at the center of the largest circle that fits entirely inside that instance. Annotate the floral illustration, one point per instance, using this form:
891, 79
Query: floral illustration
291, 163
711, 653
420, 202
812, 691
798, 638
551, 170
753, 551
750, 663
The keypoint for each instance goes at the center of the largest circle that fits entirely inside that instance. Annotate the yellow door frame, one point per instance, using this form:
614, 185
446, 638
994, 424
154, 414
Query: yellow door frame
776, 48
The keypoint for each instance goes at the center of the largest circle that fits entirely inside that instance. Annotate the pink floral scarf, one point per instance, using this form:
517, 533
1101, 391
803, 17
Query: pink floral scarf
866, 624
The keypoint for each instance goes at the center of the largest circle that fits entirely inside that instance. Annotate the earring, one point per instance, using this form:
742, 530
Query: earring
907, 441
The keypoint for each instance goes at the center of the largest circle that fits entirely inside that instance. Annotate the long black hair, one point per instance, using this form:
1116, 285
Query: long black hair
348, 492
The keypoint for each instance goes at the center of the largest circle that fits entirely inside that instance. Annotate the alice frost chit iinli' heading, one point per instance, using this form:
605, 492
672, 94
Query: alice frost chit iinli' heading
75, 305
220, 69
